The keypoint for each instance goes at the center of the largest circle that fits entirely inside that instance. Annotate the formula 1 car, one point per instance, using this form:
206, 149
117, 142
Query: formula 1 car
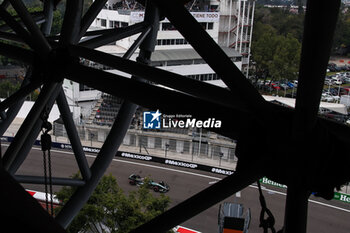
157, 187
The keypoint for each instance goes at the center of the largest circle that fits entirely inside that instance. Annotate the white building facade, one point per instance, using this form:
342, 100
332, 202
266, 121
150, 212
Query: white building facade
228, 22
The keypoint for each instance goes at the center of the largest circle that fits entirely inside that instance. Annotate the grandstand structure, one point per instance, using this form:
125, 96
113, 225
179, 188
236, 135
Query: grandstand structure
246, 116
108, 110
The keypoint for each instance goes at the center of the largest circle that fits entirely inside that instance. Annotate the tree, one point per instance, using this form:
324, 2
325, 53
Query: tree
110, 210
7, 88
275, 55
263, 48
283, 21
341, 38
56, 22
286, 59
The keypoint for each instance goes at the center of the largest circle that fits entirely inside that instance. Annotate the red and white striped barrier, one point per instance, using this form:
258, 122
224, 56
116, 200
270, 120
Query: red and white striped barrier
181, 229
41, 197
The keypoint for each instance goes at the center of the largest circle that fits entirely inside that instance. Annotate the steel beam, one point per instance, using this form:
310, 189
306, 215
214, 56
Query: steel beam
136, 44
17, 27
104, 157
193, 87
33, 134
11, 37
233, 121
319, 27
202, 201
90, 15
14, 52
34, 30
101, 163
71, 22
10, 155
134, 91
211, 52
20, 212
55, 180
114, 35
320, 23
38, 17
295, 219
73, 136
48, 14
14, 109
5, 4
19, 95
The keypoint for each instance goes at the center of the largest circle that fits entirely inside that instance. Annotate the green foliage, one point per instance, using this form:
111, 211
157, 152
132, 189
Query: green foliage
342, 32
285, 62
276, 43
263, 48
109, 206
282, 21
286, 23
56, 22
277, 55
7, 88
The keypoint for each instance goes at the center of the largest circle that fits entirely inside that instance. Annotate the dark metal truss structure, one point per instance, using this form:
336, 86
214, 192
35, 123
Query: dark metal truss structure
318, 144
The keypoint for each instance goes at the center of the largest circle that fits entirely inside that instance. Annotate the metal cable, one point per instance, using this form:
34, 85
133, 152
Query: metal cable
269, 222
50, 181
45, 182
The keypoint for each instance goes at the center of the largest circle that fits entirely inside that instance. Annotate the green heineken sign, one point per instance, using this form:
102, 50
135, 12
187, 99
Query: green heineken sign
342, 197
273, 183
337, 196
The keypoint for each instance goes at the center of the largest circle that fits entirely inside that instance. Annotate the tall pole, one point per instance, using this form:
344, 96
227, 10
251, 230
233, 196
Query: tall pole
200, 141
317, 42
229, 25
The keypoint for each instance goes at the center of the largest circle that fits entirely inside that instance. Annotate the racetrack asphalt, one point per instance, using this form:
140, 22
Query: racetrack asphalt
333, 216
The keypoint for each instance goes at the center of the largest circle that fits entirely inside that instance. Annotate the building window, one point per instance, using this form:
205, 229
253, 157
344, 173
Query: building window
167, 27
103, 23
210, 26
114, 24
83, 87
204, 25
204, 77
172, 42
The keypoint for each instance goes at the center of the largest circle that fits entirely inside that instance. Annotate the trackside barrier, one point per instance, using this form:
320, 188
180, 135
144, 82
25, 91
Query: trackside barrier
181, 229
337, 196
142, 157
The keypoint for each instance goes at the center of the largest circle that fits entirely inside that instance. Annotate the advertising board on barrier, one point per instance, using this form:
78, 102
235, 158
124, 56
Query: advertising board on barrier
221, 171
135, 156
180, 164
173, 162
273, 183
337, 196
342, 197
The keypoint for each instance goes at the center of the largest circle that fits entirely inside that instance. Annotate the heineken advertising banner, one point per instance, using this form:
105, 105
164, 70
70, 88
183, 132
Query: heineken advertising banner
342, 197
337, 196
